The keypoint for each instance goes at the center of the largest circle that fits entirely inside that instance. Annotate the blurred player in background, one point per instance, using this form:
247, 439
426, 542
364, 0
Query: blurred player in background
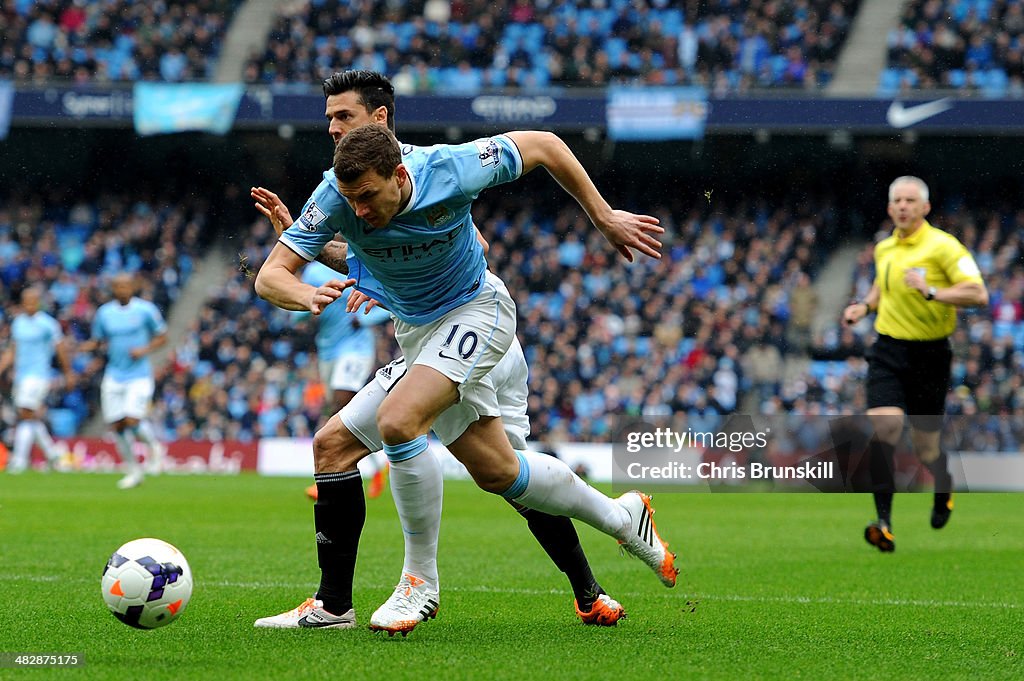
922, 275
131, 328
356, 98
35, 338
346, 350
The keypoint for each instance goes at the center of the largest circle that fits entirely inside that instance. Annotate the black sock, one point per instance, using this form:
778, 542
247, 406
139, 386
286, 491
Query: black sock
558, 537
339, 514
940, 471
883, 506
883, 482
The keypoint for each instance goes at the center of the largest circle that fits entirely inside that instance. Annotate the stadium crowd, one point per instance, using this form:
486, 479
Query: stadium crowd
967, 45
91, 41
465, 46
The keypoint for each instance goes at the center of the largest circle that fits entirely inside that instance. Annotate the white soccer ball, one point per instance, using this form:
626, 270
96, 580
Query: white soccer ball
147, 583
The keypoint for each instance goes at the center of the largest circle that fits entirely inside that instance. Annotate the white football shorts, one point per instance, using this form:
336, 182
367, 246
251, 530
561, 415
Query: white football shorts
466, 343
30, 392
346, 372
126, 399
510, 381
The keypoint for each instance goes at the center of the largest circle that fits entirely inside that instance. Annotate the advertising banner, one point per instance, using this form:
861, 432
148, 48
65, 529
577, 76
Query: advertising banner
161, 108
6, 105
653, 114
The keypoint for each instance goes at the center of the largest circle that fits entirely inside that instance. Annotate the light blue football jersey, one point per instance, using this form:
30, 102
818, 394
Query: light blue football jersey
35, 341
124, 328
336, 334
427, 260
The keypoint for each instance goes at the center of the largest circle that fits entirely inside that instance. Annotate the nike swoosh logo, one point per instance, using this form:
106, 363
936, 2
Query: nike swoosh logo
899, 116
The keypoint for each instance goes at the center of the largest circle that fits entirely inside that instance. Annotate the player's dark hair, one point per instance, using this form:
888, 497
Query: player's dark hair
374, 90
368, 147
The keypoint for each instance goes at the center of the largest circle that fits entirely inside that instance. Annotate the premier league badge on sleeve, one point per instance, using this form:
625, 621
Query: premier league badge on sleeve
489, 152
311, 218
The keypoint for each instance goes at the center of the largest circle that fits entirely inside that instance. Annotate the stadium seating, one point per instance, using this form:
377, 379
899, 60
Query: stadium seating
725, 45
973, 46
88, 41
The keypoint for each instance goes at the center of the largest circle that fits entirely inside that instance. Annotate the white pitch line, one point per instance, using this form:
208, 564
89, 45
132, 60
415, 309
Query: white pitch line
676, 595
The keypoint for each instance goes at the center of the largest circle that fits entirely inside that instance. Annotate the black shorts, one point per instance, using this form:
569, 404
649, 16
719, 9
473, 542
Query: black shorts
911, 375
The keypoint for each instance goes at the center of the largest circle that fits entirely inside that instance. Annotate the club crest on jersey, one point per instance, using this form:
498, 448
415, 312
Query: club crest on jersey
311, 217
489, 152
438, 215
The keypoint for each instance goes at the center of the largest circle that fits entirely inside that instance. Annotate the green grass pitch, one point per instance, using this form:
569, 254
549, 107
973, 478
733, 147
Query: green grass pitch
772, 586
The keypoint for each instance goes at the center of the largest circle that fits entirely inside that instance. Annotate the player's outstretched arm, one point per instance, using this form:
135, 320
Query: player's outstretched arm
277, 283
273, 208
623, 229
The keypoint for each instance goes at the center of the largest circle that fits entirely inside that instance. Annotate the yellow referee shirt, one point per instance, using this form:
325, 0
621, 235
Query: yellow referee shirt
902, 311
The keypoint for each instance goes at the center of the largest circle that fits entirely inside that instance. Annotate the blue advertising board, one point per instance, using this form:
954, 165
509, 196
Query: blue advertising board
6, 102
651, 114
161, 108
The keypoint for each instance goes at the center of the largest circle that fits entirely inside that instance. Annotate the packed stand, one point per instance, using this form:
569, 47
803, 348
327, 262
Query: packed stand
101, 41
974, 46
685, 339
467, 46
986, 399
72, 249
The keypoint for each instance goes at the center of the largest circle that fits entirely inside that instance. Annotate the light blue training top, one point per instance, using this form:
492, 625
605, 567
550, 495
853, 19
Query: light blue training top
340, 332
35, 341
426, 261
124, 328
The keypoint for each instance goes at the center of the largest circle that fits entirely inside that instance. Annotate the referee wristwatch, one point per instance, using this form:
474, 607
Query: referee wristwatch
930, 295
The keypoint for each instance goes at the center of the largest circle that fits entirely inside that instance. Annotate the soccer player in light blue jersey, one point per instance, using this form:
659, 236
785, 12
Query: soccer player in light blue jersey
35, 338
405, 213
131, 328
356, 98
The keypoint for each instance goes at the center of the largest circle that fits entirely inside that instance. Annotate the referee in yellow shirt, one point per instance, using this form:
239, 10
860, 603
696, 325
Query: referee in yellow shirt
922, 275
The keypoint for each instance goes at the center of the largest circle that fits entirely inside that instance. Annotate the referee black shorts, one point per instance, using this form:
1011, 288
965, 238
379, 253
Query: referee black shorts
911, 375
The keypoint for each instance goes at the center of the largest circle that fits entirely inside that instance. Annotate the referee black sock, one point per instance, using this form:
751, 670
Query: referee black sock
883, 482
883, 507
558, 537
940, 471
339, 514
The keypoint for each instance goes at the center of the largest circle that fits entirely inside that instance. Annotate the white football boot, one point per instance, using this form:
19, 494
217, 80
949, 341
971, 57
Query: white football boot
133, 479
643, 540
413, 601
309, 615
